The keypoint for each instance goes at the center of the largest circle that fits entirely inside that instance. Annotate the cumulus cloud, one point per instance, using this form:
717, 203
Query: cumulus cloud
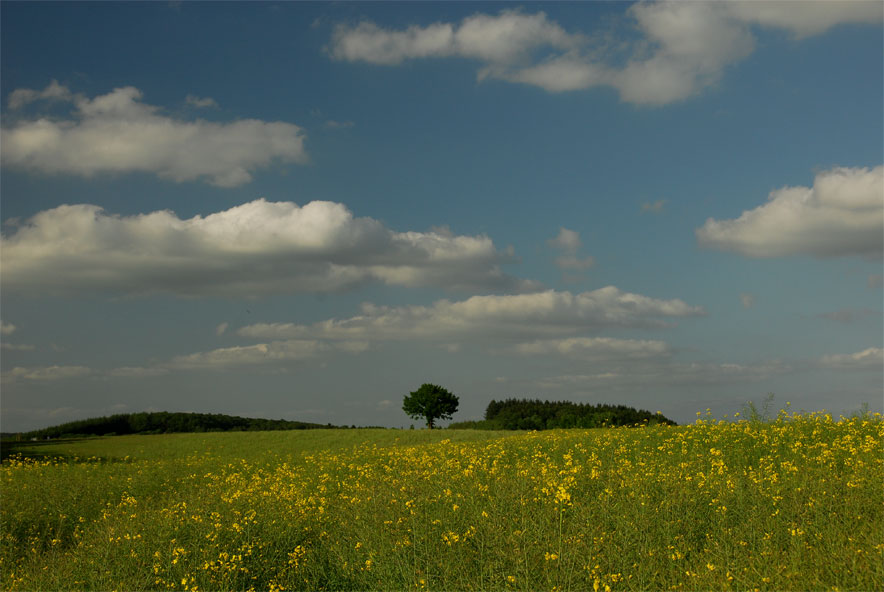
805, 21
221, 328
256, 248
25, 96
118, 133
681, 47
867, 359
841, 215
568, 241
503, 38
544, 314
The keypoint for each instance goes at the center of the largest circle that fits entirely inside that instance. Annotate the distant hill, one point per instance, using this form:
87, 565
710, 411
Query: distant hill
534, 414
165, 422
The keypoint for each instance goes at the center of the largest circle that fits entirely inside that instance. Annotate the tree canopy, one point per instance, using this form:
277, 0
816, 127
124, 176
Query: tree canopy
430, 402
166, 422
534, 414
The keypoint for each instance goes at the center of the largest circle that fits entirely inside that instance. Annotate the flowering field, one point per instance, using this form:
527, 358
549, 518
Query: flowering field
795, 504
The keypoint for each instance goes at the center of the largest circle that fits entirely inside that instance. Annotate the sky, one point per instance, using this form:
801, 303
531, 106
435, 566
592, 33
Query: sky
305, 211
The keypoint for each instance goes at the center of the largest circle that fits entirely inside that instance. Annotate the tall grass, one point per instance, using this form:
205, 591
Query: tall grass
796, 503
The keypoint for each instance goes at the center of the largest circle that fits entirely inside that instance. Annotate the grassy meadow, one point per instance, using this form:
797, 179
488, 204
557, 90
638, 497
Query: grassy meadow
792, 504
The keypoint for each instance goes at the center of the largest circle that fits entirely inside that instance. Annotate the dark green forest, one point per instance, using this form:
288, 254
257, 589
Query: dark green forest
510, 414
166, 422
534, 414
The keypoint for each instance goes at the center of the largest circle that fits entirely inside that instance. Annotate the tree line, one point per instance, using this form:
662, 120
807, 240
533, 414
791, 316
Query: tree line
167, 422
534, 414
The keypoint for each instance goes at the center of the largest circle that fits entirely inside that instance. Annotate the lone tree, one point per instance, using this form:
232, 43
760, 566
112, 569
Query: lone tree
430, 402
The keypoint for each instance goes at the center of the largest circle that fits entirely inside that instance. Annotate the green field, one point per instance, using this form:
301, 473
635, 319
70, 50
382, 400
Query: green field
794, 504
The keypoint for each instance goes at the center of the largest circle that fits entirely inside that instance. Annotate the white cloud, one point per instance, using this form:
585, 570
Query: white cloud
542, 314
747, 300
692, 43
261, 353
24, 96
6, 328
841, 215
46, 373
201, 102
811, 18
504, 38
569, 242
118, 133
370, 43
682, 47
572, 262
653, 207
639, 373
257, 248
274, 352
221, 328
597, 348
867, 359
564, 73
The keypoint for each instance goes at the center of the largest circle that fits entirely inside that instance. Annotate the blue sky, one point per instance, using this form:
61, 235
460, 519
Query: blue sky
306, 210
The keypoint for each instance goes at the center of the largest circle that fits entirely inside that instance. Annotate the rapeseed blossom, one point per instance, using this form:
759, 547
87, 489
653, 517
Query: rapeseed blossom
714, 505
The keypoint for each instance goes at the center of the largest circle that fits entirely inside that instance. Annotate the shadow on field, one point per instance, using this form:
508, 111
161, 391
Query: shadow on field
41, 450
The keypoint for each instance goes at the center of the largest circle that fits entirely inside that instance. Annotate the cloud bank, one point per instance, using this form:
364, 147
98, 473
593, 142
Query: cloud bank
519, 316
841, 215
47, 373
118, 133
867, 359
678, 49
260, 353
253, 249
597, 348
663, 372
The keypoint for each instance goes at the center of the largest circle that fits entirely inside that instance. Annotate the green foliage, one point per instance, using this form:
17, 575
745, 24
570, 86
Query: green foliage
534, 414
430, 402
165, 422
751, 413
